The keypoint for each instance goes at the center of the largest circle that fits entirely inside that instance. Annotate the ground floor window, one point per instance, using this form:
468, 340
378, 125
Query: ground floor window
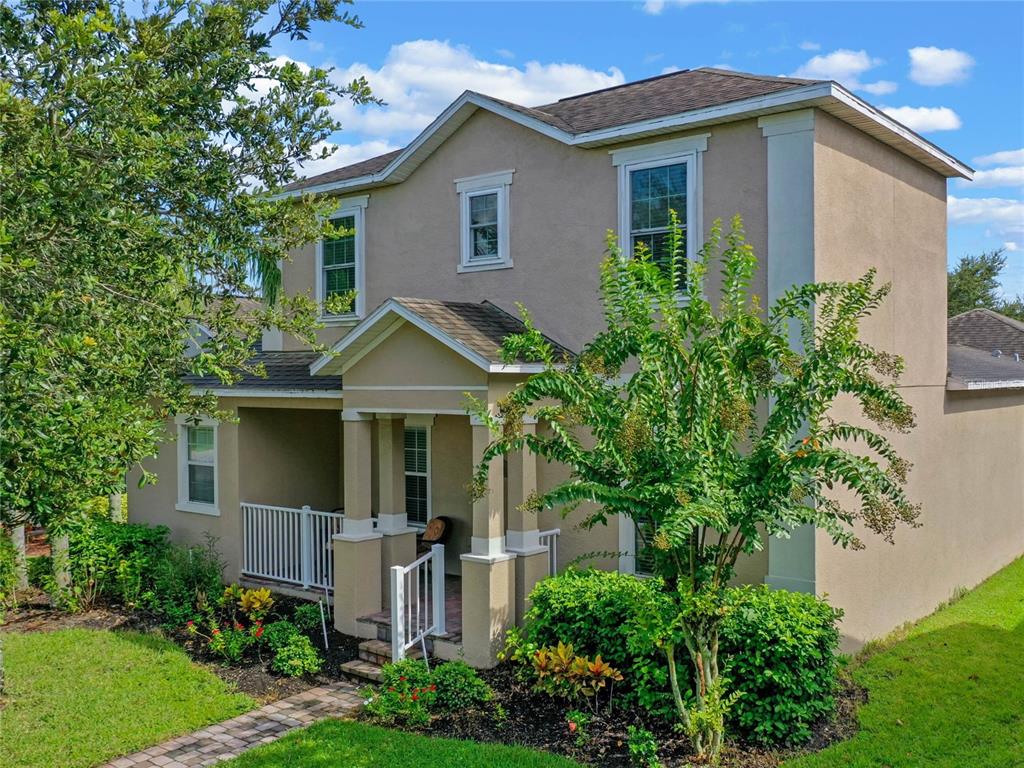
417, 474
197, 466
643, 531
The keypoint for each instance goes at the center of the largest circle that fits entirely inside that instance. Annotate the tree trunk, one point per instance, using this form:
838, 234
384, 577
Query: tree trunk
61, 564
20, 563
116, 507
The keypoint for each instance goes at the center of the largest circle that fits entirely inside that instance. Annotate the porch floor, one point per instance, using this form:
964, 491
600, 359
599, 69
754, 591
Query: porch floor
452, 611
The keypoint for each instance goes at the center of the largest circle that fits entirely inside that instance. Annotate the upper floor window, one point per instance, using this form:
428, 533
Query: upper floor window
654, 180
483, 203
340, 260
197, 466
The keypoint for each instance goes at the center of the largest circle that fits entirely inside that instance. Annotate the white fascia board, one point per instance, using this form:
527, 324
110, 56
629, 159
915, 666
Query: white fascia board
393, 307
815, 94
1004, 384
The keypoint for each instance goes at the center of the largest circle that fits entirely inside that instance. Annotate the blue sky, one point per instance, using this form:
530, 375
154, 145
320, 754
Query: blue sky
953, 71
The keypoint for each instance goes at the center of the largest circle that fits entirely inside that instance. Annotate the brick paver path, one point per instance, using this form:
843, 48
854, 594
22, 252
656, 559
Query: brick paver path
260, 726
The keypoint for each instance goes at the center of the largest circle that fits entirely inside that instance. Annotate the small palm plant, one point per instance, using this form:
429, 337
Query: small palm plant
711, 426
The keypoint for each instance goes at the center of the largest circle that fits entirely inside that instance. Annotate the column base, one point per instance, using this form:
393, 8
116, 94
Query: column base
357, 580
397, 548
531, 567
488, 607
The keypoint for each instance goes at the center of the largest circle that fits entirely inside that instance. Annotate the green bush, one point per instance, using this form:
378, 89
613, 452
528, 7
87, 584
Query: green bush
458, 687
643, 748
112, 561
307, 616
779, 649
278, 634
297, 657
39, 569
405, 695
185, 583
611, 614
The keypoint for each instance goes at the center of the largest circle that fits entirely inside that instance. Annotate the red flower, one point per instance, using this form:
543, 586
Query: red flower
216, 631
415, 697
391, 689
259, 631
238, 625
433, 687
572, 726
402, 679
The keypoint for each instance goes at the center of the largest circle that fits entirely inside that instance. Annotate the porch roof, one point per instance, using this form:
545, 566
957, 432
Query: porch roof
474, 330
286, 372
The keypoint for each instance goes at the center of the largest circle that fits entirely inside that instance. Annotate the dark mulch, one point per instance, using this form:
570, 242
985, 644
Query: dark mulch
521, 716
253, 676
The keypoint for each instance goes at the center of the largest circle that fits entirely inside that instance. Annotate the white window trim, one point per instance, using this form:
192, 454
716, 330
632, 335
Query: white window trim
497, 183
184, 504
356, 208
687, 150
430, 507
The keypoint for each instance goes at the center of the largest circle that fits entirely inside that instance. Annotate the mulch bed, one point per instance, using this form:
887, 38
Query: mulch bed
539, 721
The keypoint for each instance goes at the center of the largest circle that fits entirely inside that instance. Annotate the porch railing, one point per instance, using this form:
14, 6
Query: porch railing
289, 545
417, 602
549, 539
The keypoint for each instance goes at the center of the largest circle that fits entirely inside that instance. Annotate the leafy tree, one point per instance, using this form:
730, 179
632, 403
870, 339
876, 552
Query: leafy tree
974, 284
662, 418
138, 157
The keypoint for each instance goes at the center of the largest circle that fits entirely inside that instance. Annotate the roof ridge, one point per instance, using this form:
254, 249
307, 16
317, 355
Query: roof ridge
615, 87
1013, 323
759, 78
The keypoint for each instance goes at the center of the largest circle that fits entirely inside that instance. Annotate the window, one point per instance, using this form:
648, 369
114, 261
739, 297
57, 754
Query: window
417, 474
654, 180
197, 467
484, 215
340, 260
643, 563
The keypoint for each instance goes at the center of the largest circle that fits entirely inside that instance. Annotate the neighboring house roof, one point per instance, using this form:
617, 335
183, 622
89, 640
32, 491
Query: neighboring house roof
664, 104
987, 330
986, 351
287, 374
474, 330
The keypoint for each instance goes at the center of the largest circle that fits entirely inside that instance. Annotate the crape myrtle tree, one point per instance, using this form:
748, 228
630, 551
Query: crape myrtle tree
140, 151
658, 419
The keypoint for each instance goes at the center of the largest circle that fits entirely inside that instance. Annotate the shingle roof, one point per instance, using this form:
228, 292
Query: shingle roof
987, 330
480, 327
654, 97
971, 368
285, 371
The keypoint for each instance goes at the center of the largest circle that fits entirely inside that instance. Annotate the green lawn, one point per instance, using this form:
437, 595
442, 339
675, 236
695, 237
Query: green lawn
79, 697
333, 743
950, 693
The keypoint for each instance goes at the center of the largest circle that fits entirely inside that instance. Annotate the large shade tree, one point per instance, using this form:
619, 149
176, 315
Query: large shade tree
710, 425
139, 153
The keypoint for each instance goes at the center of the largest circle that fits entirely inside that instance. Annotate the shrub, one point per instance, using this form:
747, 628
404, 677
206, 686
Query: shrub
278, 634
39, 568
607, 613
560, 671
256, 603
459, 687
184, 582
643, 748
307, 616
405, 695
778, 650
112, 560
297, 657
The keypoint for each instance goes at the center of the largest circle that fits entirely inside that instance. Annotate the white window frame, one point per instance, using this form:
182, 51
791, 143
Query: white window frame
686, 151
497, 183
356, 208
411, 424
184, 503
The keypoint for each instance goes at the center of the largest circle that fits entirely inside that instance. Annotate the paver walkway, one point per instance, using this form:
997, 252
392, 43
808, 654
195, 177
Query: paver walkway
260, 726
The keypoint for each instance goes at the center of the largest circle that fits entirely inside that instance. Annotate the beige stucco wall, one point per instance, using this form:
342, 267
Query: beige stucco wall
876, 208
562, 202
451, 464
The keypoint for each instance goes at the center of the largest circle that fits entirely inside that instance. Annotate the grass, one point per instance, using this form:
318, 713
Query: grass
946, 692
332, 743
79, 697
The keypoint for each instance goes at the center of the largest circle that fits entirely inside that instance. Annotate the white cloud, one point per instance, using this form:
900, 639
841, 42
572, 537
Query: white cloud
939, 66
1006, 157
846, 67
669, 69
505, 53
1010, 176
1011, 246
880, 88
418, 79
344, 154
655, 7
1002, 217
807, 45
925, 119
315, 45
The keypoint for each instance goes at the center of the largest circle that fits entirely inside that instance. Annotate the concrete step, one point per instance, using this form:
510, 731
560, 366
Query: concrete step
363, 670
379, 652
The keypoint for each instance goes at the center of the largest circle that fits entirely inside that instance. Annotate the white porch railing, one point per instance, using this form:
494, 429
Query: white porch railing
289, 545
417, 602
549, 539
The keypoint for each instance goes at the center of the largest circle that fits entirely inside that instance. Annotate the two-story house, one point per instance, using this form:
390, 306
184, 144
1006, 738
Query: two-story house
337, 464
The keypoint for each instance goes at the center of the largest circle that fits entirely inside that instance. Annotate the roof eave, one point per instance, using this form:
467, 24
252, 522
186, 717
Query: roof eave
829, 96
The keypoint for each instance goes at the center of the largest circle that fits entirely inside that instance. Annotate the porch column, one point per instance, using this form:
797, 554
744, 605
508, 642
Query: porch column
523, 535
398, 546
357, 549
488, 571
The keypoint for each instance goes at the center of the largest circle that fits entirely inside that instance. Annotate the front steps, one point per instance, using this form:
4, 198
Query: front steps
376, 651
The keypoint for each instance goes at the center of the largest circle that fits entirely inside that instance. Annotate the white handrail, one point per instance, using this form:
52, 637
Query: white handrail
549, 539
417, 601
289, 545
